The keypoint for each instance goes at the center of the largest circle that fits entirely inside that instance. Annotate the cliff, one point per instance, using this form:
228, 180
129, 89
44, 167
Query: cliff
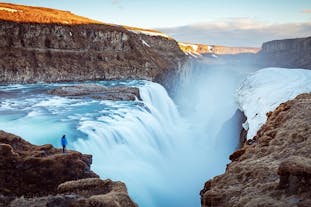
201, 49
47, 177
272, 169
39, 44
289, 53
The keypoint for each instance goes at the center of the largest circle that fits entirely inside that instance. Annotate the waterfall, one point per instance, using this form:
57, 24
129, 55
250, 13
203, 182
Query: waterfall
163, 151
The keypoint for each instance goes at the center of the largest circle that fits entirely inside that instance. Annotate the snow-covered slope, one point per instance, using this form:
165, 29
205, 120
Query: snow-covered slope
266, 89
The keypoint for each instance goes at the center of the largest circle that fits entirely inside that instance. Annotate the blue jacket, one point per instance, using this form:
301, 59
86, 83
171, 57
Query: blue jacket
64, 141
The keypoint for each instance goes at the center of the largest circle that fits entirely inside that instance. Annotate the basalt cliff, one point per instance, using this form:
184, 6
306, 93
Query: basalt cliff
288, 53
47, 45
40, 176
272, 169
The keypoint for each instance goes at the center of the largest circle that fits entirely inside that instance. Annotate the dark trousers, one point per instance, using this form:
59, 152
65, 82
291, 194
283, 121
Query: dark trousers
64, 147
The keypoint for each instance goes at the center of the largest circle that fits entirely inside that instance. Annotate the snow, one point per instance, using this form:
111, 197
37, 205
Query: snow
9, 9
145, 43
266, 89
150, 33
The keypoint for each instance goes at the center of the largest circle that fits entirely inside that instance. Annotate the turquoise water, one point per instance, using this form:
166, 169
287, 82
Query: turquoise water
164, 158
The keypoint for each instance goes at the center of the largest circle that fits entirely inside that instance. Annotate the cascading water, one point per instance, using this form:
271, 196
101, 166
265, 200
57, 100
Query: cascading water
164, 158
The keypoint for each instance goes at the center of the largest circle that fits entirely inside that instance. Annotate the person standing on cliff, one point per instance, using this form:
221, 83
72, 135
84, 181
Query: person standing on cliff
64, 142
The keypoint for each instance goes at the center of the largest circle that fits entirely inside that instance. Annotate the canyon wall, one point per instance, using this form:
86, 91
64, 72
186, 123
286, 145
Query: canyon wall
39, 176
273, 168
34, 50
201, 49
288, 53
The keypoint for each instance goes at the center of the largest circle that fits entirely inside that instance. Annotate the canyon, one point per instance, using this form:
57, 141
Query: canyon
46, 45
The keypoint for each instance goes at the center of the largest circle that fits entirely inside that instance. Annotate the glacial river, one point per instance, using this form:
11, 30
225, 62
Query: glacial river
163, 150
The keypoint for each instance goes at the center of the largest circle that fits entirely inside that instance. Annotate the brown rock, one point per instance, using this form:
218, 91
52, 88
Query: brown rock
112, 199
38, 48
88, 192
32, 170
295, 174
235, 156
91, 186
116, 93
275, 169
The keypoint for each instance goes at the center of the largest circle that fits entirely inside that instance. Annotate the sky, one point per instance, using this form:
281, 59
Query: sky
229, 22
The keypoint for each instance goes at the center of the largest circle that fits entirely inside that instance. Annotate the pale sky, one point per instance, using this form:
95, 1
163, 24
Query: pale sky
173, 14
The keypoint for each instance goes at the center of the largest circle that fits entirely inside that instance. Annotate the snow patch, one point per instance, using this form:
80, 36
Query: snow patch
145, 43
9, 9
150, 33
266, 89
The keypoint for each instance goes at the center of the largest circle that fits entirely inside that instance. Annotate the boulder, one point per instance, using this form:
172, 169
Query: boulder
91, 186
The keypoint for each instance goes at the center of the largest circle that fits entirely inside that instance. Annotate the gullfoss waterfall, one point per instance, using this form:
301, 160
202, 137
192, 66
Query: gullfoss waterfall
163, 157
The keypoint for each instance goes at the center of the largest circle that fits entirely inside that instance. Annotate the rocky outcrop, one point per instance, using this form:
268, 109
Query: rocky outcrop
25, 167
288, 53
53, 51
201, 49
40, 176
116, 93
274, 168
85, 192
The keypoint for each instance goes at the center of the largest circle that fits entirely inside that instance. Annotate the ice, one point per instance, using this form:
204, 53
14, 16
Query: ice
145, 43
266, 89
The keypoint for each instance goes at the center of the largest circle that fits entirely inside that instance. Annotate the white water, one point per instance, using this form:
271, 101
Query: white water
163, 158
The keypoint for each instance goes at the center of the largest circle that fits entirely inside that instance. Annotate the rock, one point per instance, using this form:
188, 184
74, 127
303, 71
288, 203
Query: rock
116, 93
91, 186
88, 192
295, 174
46, 201
42, 176
113, 199
288, 53
275, 169
26, 167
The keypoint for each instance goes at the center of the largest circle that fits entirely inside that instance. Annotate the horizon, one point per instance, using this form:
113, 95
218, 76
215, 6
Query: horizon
248, 24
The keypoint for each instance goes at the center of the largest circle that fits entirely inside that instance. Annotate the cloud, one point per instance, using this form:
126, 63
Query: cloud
308, 11
237, 32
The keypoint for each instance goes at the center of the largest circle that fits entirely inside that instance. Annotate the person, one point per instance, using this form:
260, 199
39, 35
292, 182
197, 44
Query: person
64, 142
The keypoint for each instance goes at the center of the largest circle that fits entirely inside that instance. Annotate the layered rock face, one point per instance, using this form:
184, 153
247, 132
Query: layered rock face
116, 93
272, 169
289, 53
47, 177
34, 51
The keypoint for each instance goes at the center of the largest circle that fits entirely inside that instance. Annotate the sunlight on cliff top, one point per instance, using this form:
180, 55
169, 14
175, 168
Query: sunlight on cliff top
31, 14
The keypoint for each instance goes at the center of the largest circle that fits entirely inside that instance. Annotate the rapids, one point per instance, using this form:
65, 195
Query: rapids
163, 150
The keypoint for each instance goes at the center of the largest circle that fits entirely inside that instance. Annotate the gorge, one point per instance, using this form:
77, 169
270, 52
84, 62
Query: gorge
154, 117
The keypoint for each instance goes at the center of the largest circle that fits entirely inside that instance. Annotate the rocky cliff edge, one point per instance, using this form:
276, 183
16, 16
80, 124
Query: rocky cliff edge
44, 176
47, 45
272, 169
288, 53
